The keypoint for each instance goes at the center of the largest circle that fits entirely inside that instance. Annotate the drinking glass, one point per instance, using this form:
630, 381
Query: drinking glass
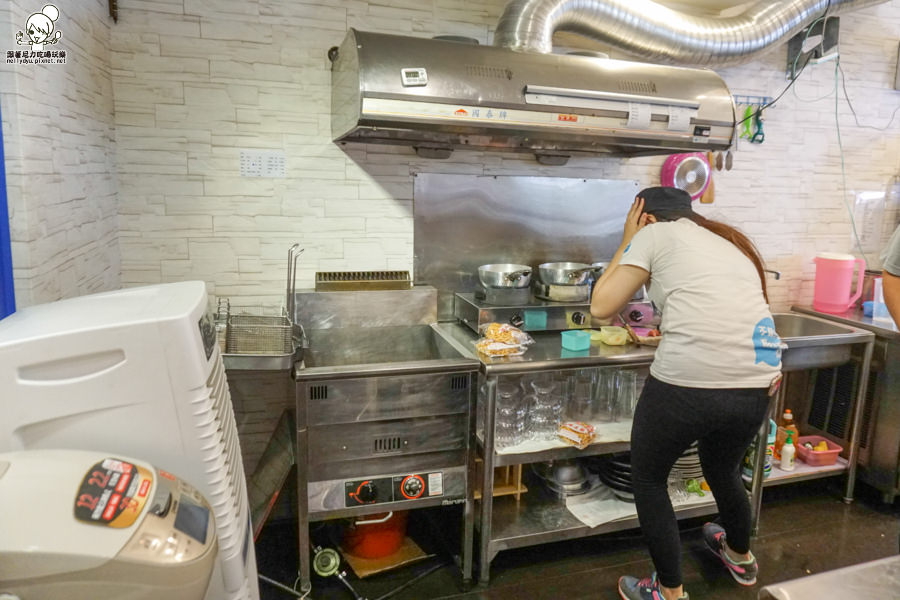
581, 404
506, 422
626, 392
605, 396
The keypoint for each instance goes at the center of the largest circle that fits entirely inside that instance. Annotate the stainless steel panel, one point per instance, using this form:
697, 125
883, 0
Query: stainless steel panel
381, 308
330, 444
328, 496
475, 99
389, 464
464, 221
379, 398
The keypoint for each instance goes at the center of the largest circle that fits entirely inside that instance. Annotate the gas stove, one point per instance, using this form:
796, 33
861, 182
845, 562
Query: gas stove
537, 314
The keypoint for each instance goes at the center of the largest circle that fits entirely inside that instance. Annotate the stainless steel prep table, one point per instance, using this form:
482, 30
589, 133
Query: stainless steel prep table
879, 454
539, 518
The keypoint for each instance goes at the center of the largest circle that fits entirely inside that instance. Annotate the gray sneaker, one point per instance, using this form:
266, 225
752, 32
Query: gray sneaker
632, 588
743, 572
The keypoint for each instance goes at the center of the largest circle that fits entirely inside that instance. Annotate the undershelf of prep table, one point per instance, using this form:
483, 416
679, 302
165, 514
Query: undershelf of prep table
540, 517
803, 472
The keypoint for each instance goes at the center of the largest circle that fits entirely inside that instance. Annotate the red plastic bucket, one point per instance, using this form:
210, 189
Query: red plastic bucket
834, 275
374, 537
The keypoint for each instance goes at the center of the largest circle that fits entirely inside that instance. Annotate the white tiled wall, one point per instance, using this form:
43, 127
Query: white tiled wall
60, 151
196, 81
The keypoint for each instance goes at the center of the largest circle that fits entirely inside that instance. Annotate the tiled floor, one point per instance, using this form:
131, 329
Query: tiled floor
805, 528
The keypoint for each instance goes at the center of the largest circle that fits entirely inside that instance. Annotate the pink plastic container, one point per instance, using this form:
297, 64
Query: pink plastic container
817, 459
834, 274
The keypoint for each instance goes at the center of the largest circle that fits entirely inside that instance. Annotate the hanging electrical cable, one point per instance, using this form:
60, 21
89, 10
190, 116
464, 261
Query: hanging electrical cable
837, 124
852, 110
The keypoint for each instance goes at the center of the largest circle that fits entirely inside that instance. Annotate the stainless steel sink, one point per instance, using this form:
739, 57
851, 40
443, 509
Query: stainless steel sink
815, 343
360, 351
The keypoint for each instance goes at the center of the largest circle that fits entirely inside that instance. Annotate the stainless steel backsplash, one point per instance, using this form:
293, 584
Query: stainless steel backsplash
464, 221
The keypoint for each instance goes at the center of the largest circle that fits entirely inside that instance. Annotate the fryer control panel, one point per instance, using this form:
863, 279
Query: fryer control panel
399, 488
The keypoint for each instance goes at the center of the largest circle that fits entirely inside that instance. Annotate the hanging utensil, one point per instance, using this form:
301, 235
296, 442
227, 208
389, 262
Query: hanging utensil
709, 194
293, 253
729, 159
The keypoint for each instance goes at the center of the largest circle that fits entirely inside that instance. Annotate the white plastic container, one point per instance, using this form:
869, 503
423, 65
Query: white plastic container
788, 453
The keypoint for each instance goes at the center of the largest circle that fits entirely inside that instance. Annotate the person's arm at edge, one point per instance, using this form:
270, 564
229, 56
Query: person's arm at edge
890, 285
618, 283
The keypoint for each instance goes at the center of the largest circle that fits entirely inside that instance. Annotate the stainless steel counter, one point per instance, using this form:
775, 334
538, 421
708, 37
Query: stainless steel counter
866, 581
879, 455
854, 318
546, 354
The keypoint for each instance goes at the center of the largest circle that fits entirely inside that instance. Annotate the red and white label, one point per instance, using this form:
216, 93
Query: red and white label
145, 485
123, 483
569, 118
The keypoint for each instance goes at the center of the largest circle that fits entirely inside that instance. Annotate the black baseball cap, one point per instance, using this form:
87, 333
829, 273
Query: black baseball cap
667, 203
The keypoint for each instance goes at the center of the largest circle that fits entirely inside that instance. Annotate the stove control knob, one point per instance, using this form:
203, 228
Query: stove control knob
366, 493
636, 316
578, 318
516, 320
412, 486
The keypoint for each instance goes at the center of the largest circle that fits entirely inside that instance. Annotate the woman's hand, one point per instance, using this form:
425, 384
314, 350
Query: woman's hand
636, 220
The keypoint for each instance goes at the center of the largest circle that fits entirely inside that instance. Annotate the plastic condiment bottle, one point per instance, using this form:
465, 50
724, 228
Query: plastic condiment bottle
787, 453
785, 425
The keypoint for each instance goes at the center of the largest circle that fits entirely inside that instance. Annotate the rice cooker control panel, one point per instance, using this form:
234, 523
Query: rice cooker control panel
398, 488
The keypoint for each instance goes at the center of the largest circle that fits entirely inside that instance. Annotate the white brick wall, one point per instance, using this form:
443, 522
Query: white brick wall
196, 81
60, 156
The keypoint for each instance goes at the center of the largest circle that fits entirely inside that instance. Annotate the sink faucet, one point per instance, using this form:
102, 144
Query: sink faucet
777, 274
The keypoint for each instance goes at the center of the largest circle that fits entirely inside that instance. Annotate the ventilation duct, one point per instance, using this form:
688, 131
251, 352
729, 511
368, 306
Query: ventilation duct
660, 34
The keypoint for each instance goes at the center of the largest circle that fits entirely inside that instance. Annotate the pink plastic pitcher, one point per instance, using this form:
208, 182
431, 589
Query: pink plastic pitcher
834, 273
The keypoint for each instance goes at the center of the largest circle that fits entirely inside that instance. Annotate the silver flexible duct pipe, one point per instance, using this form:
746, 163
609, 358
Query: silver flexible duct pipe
660, 34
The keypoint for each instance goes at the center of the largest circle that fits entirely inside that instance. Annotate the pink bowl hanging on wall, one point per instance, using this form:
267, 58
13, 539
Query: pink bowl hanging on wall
689, 172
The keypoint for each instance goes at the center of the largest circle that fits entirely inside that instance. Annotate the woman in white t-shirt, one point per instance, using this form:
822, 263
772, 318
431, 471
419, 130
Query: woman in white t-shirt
710, 378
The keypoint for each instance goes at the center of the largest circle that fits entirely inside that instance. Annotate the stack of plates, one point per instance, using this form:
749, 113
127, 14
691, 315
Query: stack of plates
688, 465
614, 471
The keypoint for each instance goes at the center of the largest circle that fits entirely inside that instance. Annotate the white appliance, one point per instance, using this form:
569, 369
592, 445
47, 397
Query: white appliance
81, 525
136, 371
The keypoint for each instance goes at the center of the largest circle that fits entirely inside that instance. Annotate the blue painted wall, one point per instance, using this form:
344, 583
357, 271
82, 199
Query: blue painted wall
7, 295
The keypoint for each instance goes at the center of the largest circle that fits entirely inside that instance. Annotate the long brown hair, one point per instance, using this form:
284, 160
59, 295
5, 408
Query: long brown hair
738, 239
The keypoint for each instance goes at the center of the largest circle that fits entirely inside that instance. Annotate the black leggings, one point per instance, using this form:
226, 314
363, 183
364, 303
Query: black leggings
667, 420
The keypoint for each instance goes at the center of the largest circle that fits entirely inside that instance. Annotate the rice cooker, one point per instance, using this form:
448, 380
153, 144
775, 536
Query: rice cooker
80, 525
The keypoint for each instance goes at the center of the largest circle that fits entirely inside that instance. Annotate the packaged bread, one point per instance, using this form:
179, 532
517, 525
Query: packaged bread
576, 433
490, 347
614, 336
505, 333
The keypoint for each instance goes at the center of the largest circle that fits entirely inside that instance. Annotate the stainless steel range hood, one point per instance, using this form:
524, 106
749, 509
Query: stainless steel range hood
438, 95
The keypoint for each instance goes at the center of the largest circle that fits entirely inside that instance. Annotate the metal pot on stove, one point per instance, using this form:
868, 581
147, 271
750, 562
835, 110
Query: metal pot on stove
504, 275
565, 273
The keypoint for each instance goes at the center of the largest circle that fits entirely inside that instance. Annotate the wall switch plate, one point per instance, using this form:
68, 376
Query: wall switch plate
262, 163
